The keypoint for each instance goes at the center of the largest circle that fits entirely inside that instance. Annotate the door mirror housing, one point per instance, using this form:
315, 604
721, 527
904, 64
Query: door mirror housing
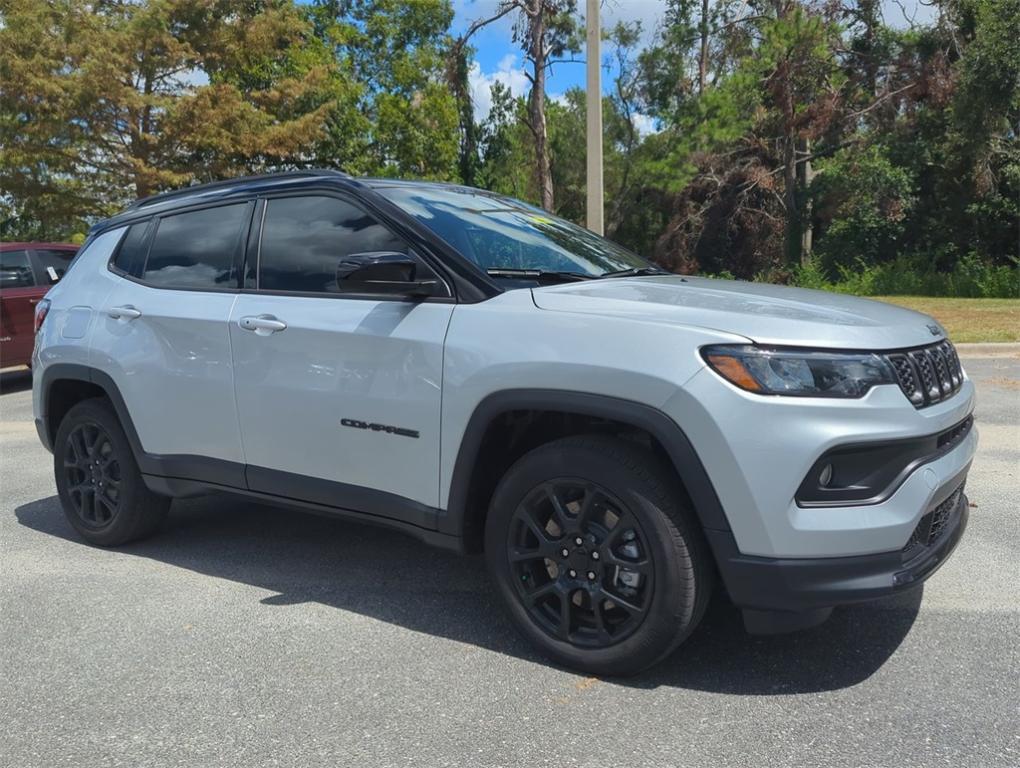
382, 272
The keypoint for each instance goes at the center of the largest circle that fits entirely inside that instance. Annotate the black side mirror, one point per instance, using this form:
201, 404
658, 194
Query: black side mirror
382, 272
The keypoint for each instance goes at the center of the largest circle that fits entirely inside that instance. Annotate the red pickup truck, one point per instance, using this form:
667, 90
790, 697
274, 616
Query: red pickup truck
27, 270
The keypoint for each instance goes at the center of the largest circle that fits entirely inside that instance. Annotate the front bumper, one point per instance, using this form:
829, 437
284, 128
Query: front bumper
758, 450
809, 586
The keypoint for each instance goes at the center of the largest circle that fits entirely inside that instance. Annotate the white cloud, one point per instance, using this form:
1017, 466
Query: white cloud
194, 78
901, 13
648, 12
508, 72
467, 11
645, 124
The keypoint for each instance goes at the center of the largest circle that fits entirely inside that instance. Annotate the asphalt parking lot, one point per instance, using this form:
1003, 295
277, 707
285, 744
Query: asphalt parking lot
249, 636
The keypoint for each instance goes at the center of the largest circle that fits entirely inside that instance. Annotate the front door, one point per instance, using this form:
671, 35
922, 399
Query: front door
338, 395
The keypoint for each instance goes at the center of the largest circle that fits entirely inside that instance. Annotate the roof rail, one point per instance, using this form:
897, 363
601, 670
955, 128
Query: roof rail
212, 185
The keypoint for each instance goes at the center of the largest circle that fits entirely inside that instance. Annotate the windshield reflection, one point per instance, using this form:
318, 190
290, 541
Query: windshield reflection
500, 233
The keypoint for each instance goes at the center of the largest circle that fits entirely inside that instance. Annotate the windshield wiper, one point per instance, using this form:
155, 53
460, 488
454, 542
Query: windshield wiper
538, 274
635, 272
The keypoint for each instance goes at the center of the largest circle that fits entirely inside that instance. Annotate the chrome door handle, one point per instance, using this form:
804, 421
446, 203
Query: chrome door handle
127, 312
263, 325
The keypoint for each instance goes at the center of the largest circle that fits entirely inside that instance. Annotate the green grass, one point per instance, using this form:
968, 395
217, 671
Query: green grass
968, 320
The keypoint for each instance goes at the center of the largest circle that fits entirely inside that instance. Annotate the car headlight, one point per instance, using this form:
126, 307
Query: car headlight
798, 372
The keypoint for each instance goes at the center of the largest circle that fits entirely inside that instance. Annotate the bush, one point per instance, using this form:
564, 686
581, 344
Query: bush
914, 276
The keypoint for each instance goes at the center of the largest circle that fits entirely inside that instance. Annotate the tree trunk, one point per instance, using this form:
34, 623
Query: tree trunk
536, 107
870, 15
806, 212
457, 79
703, 53
790, 197
143, 185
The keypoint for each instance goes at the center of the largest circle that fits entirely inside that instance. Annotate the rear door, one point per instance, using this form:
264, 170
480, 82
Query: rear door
341, 404
162, 336
18, 296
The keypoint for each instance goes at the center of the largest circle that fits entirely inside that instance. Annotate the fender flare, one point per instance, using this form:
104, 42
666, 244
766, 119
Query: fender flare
665, 430
77, 372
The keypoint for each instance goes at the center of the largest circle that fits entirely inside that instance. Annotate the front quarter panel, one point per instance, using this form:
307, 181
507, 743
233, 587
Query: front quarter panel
507, 343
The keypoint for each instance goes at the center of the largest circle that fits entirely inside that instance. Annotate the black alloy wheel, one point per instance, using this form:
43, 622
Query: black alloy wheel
93, 475
581, 563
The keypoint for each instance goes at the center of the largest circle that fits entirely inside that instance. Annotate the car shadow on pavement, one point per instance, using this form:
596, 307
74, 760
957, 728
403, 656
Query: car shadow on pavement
393, 578
15, 380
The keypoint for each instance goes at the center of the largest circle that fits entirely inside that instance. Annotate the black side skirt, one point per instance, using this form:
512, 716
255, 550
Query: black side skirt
308, 494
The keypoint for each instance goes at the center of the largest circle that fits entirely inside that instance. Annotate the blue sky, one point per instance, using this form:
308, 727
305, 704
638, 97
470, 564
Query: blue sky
499, 58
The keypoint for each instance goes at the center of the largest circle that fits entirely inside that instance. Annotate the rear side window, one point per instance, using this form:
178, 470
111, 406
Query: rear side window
52, 263
196, 249
15, 270
304, 239
130, 258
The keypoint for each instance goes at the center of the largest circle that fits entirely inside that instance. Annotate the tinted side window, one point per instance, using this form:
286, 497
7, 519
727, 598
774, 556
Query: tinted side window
15, 270
304, 238
52, 263
130, 258
196, 249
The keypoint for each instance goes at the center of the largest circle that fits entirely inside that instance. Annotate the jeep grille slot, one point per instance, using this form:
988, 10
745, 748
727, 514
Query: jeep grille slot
928, 375
935, 523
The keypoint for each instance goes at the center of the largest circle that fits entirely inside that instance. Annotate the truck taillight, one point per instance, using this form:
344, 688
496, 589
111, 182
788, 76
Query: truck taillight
41, 310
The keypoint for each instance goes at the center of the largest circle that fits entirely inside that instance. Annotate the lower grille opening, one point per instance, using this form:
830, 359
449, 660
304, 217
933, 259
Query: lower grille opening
933, 526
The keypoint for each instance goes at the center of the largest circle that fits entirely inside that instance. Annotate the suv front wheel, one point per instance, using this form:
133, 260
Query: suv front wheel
598, 562
100, 487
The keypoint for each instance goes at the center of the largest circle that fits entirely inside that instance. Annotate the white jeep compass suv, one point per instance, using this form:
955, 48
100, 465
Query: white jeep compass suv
476, 372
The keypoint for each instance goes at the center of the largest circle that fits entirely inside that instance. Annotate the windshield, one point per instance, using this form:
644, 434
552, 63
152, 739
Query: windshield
500, 233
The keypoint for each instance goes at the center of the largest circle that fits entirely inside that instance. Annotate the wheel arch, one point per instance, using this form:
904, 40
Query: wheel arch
66, 384
469, 486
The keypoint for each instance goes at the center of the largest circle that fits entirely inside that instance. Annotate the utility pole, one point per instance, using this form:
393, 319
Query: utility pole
594, 123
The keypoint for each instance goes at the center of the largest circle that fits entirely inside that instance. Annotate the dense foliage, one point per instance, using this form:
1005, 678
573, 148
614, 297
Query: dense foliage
786, 140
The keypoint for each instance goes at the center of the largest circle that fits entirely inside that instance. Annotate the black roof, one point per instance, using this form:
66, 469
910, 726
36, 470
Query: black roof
244, 186
232, 186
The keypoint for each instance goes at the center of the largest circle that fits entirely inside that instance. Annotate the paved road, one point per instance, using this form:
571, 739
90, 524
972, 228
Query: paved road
248, 636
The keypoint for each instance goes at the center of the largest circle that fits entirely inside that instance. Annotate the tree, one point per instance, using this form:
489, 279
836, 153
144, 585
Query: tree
104, 101
546, 30
396, 53
456, 74
792, 139
505, 151
864, 200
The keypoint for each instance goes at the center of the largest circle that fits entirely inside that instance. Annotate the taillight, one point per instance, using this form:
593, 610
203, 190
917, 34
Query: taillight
41, 310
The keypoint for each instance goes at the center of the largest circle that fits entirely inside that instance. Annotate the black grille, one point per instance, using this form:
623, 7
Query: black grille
931, 527
929, 374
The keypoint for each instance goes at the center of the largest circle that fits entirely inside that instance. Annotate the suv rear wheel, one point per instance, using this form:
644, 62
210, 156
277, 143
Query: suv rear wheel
597, 562
98, 481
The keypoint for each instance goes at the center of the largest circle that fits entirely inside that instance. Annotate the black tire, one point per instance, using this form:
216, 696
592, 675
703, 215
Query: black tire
662, 573
98, 481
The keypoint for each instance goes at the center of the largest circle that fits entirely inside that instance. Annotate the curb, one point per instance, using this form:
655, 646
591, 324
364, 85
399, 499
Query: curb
1004, 349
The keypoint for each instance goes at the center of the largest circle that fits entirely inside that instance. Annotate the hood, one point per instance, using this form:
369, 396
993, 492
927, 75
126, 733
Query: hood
766, 314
